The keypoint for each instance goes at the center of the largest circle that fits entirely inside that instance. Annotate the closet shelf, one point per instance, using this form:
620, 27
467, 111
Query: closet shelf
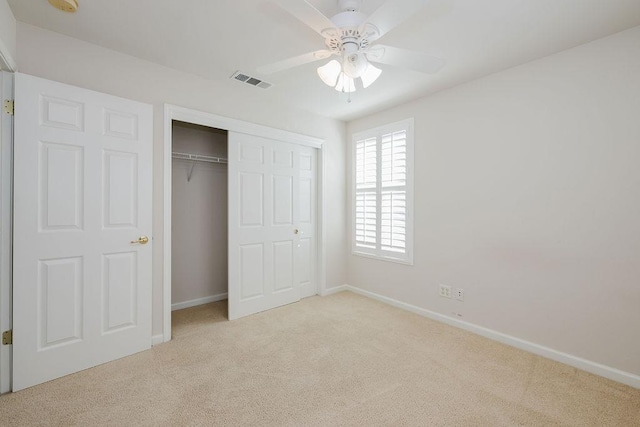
198, 157
193, 158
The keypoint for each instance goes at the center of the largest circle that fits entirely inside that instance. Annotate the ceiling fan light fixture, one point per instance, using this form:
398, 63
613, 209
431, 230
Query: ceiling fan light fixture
70, 6
330, 72
354, 65
370, 75
345, 84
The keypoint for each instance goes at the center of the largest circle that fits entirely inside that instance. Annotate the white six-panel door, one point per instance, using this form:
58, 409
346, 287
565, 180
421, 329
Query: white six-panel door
82, 204
272, 208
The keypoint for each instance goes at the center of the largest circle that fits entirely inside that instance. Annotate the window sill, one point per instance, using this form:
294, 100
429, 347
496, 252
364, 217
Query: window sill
381, 258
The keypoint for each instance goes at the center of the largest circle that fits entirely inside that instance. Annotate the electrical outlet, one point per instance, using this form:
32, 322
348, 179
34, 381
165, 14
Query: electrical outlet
460, 294
445, 291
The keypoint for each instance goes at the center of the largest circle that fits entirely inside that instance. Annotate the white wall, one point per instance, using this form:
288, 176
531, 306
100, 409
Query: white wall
56, 57
528, 197
199, 216
7, 37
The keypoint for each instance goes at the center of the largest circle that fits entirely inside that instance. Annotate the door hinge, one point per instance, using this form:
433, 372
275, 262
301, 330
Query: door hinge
7, 337
8, 106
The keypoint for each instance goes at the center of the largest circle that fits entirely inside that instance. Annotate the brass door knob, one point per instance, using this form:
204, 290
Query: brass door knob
142, 240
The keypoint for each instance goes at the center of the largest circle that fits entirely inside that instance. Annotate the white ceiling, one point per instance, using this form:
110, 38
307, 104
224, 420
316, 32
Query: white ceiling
214, 38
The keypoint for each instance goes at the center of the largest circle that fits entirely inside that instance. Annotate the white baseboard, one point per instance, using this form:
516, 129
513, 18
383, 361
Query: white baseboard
334, 290
568, 359
198, 301
157, 339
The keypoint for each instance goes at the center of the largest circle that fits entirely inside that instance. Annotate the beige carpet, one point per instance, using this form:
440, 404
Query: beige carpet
338, 360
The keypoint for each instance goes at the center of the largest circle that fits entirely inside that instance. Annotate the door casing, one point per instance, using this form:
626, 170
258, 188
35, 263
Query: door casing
173, 112
6, 210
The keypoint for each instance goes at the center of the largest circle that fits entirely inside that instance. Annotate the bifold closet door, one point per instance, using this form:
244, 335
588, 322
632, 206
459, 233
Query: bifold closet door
82, 209
271, 223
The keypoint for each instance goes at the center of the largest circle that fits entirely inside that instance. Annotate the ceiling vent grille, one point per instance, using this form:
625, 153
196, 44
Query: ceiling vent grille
250, 80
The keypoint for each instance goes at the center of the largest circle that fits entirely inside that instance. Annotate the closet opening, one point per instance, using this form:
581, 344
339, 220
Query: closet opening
199, 224
250, 237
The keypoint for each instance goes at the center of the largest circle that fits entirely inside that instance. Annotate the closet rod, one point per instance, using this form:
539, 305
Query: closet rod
198, 157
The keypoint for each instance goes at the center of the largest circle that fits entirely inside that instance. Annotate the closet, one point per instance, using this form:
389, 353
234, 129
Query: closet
243, 209
199, 261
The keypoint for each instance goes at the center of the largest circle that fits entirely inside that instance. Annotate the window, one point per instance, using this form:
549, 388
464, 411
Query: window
383, 192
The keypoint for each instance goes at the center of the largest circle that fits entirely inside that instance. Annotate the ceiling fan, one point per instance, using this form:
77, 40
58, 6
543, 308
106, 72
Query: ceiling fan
350, 36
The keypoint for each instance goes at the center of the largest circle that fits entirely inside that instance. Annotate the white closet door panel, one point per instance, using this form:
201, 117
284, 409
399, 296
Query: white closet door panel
304, 264
251, 199
282, 200
82, 290
282, 157
264, 236
306, 200
283, 263
252, 257
306, 222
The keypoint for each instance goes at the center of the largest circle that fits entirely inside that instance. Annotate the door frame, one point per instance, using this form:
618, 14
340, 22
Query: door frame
6, 210
174, 112
8, 65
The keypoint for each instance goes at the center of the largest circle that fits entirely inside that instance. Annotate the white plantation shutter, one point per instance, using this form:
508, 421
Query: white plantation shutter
366, 212
382, 192
366, 198
394, 193
394, 208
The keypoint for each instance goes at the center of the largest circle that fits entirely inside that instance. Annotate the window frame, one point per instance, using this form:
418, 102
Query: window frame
378, 253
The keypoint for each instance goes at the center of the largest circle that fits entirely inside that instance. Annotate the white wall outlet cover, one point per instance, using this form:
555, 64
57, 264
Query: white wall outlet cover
445, 291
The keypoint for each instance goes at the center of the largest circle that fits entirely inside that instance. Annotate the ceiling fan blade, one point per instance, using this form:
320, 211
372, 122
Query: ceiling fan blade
392, 13
397, 57
308, 14
296, 61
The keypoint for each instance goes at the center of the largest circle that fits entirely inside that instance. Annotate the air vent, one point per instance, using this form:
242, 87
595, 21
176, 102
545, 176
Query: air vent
250, 80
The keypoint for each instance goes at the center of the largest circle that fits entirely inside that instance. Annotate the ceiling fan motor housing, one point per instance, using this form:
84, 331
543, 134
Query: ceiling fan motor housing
348, 19
351, 35
352, 5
